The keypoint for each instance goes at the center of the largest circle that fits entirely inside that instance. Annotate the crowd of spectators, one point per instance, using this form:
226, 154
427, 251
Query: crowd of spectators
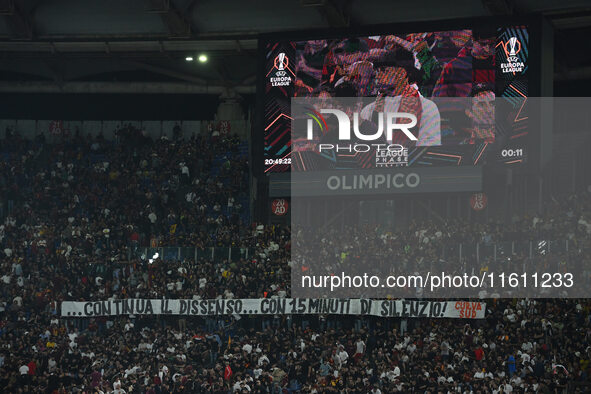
551, 241
89, 195
521, 346
73, 210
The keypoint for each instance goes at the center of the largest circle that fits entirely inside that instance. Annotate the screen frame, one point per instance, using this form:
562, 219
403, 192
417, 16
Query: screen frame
534, 70
534, 23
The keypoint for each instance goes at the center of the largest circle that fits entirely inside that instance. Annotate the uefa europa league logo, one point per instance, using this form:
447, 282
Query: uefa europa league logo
512, 48
513, 65
280, 77
512, 44
281, 61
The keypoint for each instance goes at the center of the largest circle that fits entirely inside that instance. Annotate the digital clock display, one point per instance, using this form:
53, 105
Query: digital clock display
269, 162
513, 156
518, 152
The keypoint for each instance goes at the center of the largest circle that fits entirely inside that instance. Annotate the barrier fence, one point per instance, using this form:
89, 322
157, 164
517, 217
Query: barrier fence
480, 251
501, 250
192, 253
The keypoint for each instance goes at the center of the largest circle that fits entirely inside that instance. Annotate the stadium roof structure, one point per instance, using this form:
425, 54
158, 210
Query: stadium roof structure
114, 45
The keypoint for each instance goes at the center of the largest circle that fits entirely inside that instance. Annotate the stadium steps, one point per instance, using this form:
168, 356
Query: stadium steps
216, 167
243, 149
245, 202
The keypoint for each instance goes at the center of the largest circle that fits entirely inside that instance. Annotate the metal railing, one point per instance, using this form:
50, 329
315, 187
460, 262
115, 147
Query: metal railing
191, 253
480, 251
501, 250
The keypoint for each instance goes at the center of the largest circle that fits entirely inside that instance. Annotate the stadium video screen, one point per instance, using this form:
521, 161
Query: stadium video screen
466, 88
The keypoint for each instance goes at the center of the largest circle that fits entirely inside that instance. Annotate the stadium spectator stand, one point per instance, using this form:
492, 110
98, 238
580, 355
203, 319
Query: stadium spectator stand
75, 214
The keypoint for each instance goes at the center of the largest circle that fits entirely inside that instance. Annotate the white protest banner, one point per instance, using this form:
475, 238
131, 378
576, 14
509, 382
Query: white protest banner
277, 306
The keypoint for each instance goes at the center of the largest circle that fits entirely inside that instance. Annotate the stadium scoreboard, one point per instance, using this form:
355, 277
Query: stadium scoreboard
464, 70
